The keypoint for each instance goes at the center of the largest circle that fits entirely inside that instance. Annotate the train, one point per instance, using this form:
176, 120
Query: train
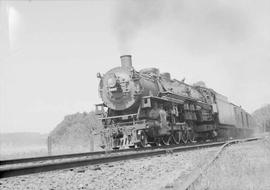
148, 108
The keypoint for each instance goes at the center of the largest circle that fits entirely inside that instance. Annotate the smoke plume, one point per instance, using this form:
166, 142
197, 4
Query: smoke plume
131, 17
199, 26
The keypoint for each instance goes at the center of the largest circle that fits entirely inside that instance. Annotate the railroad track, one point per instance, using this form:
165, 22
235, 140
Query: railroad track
78, 155
11, 168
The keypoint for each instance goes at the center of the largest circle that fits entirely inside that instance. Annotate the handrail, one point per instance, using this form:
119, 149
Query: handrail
119, 116
126, 123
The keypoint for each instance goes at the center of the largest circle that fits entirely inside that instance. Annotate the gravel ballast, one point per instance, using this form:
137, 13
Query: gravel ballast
146, 173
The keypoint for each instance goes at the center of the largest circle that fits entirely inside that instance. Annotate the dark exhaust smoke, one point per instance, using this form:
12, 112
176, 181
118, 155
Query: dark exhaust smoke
130, 17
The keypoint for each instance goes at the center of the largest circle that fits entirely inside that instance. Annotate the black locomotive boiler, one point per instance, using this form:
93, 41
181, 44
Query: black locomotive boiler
146, 107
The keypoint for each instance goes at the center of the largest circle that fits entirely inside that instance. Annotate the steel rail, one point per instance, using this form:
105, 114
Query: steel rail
45, 167
84, 154
55, 157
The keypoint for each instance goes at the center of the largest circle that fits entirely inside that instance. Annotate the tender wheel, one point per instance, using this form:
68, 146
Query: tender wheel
177, 137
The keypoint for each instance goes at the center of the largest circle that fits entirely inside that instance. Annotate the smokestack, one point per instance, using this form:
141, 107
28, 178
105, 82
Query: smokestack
126, 61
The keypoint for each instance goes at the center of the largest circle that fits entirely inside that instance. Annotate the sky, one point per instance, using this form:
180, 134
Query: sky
51, 51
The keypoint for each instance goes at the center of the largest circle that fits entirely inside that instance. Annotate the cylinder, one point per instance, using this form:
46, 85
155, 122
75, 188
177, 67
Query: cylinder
126, 61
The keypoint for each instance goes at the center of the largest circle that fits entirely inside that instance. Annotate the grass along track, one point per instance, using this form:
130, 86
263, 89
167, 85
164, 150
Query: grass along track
196, 175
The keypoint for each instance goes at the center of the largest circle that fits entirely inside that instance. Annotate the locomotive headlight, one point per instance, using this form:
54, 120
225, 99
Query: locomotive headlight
111, 82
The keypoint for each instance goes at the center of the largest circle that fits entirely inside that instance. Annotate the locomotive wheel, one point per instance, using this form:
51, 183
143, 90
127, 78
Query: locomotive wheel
153, 144
166, 140
177, 136
143, 140
185, 136
191, 136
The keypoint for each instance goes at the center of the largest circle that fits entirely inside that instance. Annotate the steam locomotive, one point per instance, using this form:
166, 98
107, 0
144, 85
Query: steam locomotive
146, 107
